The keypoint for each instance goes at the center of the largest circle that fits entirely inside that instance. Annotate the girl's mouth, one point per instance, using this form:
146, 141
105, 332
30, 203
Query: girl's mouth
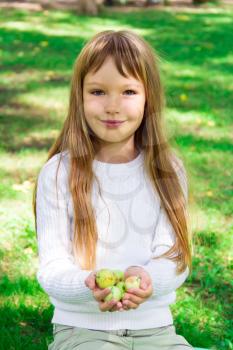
112, 123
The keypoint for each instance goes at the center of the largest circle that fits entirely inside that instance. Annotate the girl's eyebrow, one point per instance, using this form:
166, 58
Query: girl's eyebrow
125, 85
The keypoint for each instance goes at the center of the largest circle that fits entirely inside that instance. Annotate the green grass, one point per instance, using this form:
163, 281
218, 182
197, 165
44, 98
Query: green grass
37, 53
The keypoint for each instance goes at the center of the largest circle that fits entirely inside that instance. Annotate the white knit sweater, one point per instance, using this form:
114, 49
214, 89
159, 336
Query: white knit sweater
132, 229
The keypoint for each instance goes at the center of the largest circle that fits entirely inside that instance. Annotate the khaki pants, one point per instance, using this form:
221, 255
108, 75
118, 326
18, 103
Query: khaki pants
162, 338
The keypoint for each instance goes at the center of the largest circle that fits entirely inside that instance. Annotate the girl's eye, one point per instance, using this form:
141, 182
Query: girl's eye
97, 91
131, 91
93, 92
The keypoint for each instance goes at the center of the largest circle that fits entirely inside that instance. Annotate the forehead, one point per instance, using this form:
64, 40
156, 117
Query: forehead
109, 73
108, 81
101, 83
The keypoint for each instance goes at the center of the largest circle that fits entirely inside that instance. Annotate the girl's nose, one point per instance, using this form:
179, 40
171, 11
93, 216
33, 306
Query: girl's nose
112, 106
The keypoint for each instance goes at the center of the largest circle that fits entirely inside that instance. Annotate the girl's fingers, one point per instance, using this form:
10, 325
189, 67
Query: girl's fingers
129, 304
133, 298
100, 294
117, 307
90, 280
141, 293
106, 305
114, 308
112, 305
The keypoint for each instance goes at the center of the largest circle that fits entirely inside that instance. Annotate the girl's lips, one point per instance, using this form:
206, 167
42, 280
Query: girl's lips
112, 123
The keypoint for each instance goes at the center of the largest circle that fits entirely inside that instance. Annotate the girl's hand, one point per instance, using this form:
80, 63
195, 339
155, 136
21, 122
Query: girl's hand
136, 296
100, 294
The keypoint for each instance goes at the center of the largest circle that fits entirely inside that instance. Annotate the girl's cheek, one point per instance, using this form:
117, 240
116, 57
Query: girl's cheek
93, 106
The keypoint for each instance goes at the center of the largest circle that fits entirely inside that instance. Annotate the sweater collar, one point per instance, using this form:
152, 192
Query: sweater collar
118, 168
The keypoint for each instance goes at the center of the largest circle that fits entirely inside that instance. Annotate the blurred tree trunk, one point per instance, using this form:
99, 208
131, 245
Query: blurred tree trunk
88, 7
199, 1
153, 2
109, 2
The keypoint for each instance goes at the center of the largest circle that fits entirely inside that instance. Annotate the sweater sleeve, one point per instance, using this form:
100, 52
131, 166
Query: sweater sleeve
163, 270
57, 274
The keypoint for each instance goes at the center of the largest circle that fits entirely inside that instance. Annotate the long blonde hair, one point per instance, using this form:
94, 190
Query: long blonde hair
160, 163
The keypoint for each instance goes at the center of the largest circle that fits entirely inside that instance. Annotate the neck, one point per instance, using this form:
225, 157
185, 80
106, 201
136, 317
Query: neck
116, 154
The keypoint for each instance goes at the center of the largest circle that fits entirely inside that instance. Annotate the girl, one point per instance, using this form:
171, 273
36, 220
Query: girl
119, 201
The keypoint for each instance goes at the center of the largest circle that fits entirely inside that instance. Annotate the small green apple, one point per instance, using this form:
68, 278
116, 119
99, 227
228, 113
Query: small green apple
115, 294
119, 275
121, 286
132, 282
105, 278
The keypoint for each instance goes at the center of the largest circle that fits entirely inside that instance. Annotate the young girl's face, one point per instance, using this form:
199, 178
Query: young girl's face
107, 95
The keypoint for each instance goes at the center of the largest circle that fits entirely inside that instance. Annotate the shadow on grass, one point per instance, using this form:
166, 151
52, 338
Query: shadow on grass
23, 51
167, 32
16, 128
25, 326
25, 310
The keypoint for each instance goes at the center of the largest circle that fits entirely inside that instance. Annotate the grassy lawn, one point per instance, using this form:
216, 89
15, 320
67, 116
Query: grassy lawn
37, 52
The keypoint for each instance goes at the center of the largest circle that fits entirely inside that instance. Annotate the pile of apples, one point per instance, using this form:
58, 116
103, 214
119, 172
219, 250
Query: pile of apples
115, 281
